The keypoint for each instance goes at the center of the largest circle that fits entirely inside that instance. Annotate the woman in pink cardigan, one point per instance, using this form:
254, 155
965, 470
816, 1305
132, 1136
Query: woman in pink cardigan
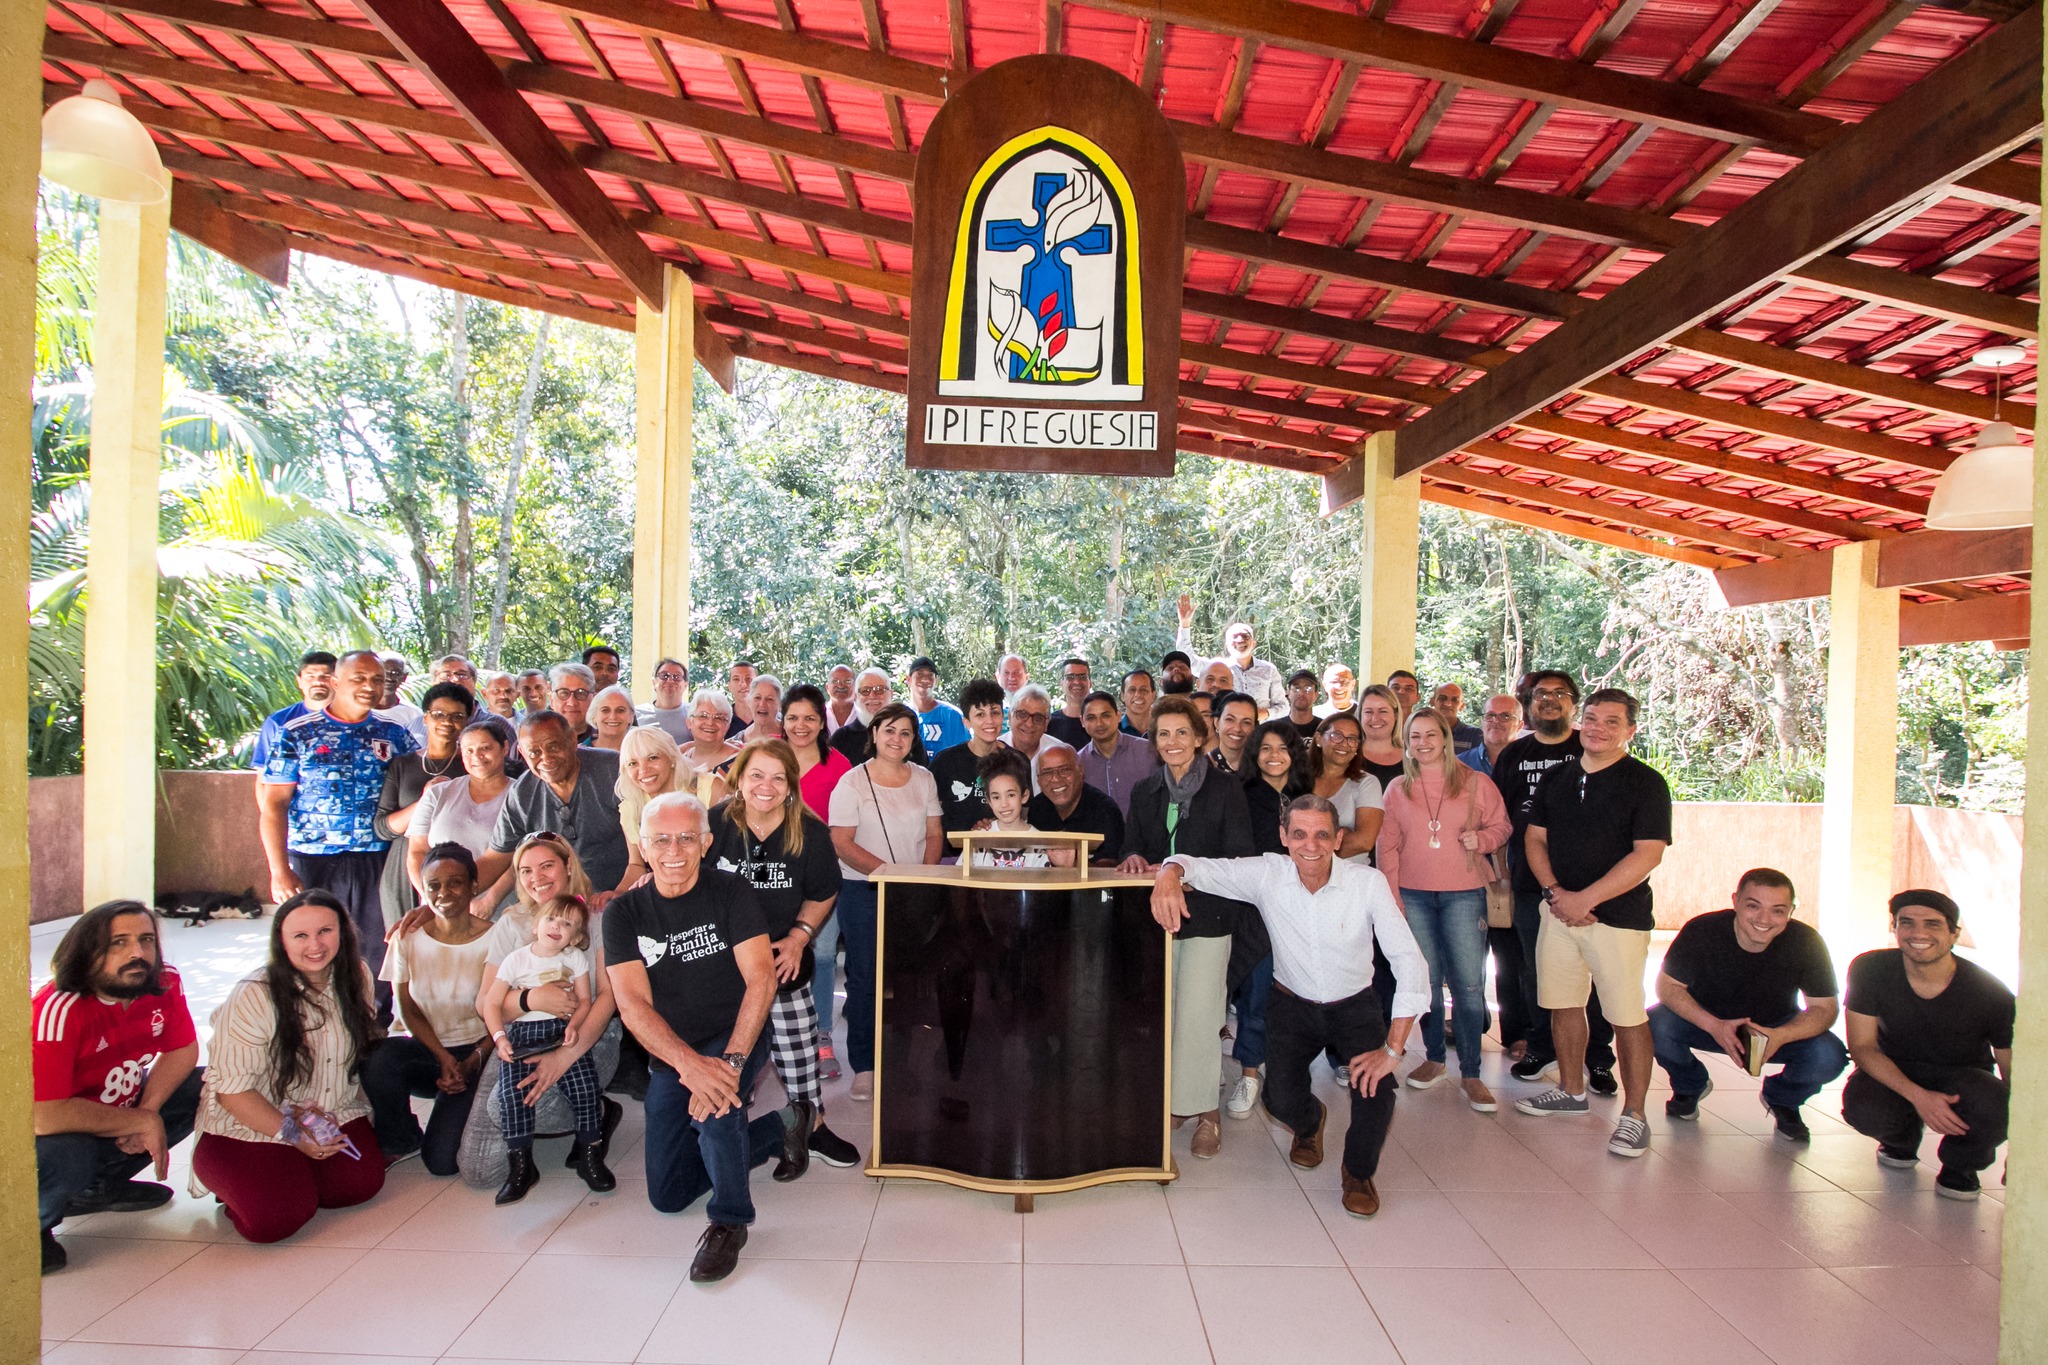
1442, 819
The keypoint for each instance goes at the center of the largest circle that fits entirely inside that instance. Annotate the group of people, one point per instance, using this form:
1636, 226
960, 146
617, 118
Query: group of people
528, 890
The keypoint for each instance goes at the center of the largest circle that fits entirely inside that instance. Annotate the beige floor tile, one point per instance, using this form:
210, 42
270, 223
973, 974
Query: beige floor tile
1810, 1317
462, 1218
1106, 1225
1250, 1227
926, 1313
1131, 1314
1835, 1228
230, 1294
1955, 1307
1550, 1231
104, 1273
767, 1312
1419, 1228
1496, 1319
925, 1221
587, 1308
1683, 1230
388, 1303
1255, 1315
1636, 1317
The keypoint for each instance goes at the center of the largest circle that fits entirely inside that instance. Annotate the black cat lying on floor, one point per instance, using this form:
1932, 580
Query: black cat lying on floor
197, 907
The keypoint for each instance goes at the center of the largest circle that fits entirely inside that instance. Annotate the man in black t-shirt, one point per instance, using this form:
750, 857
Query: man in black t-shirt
1932, 1037
1065, 802
1598, 827
693, 974
963, 797
1736, 975
1517, 771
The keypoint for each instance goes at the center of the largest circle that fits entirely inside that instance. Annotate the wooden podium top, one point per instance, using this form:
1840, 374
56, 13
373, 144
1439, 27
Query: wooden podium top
1006, 878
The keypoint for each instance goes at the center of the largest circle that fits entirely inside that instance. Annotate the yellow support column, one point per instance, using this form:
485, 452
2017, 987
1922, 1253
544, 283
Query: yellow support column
1388, 541
664, 371
1862, 753
21, 109
120, 567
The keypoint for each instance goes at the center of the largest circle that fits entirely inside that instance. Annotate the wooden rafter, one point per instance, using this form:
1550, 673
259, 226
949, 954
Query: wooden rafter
258, 249
1548, 521
1976, 108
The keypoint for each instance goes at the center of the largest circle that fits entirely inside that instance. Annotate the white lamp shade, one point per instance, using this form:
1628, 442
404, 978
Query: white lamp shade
1990, 487
94, 146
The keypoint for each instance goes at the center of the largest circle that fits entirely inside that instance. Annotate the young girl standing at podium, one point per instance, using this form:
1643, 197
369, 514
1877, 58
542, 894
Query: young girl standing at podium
1006, 778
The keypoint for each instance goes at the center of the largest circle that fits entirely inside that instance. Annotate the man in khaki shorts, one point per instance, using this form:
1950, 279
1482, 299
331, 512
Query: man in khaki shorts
1598, 827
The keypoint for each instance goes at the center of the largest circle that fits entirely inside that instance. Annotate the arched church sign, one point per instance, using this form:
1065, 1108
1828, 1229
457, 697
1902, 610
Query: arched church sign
1045, 312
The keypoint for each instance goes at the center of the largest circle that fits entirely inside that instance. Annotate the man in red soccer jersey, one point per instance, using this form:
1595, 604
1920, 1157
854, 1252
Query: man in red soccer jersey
116, 1074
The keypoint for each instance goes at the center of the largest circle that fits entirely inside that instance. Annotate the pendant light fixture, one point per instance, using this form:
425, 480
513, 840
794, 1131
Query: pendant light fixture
1990, 487
94, 146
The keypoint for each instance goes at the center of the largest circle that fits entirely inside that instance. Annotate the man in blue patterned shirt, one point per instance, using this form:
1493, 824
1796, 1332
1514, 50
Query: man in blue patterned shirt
317, 803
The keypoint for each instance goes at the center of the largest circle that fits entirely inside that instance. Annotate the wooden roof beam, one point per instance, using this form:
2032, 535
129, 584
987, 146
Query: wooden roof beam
262, 251
1977, 107
2000, 616
1565, 526
1880, 385
1768, 422
1918, 559
1626, 515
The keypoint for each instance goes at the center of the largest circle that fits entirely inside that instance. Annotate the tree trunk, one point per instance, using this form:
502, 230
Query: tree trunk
1784, 712
462, 557
1113, 593
522, 429
904, 536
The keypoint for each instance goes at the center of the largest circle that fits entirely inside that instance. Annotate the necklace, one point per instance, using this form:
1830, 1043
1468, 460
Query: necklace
1435, 825
448, 765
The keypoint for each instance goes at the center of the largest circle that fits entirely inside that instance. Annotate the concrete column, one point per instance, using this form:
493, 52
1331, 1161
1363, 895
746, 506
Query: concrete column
664, 371
1862, 753
21, 111
1388, 538
121, 579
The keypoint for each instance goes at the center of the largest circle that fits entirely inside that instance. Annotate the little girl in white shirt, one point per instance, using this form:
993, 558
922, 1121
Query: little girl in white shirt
1006, 785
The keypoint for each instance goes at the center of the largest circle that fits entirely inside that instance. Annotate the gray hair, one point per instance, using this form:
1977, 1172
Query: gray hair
768, 678
398, 659
716, 698
613, 690
561, 671
1309, 801
1007, 658
669, 801
1031, 692
871, 673
836, 667
446, 659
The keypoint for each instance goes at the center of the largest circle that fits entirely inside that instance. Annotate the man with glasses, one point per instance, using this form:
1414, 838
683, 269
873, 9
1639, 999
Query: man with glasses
1340, 684
571, 686
1518, 770
1066, 803
1598, 827
1140, 692
391, 703
1075, 683
1257, 678
671, 709
871, 692
1498, 721
570, 790
453, 668
1301, 704
1029, 716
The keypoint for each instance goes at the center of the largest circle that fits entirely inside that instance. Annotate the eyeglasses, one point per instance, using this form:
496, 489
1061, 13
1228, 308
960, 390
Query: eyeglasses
1337, 739
576, 693
447, 717
873, 691
1552, 694
659, 841
1502, 716
670, 676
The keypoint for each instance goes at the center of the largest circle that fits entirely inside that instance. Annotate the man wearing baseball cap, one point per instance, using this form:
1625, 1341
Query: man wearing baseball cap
939, 725
1931, 1035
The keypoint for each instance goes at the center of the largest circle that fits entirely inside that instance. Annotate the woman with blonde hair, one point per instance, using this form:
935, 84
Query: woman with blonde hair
1381, 718
650, 765
1442, 820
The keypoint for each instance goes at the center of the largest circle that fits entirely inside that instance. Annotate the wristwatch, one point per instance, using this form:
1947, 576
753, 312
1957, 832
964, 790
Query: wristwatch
1394, 1052
736, 1060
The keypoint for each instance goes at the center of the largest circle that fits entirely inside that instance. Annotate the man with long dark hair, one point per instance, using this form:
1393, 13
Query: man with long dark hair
116, 1080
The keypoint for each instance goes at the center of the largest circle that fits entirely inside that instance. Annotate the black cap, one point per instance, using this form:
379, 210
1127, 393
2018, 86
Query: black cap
1173, 654
1933, 900
1303, 675
921, 662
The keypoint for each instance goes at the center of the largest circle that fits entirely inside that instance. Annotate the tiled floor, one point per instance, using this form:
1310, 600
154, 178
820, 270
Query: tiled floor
1502, 1238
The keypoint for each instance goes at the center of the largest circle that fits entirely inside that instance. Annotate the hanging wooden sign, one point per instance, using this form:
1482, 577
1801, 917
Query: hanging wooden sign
1045, 309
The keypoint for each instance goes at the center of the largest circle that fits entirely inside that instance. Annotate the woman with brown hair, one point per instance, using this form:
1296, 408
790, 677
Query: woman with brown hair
1341, 776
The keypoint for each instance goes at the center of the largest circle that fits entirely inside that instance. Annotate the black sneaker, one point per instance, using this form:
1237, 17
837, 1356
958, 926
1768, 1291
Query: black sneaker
1534, 1068
1898, 1158
1791, 1127
1600, 1080
120, 1196
1956, 1183
1683, 1107
796, 1141
718, 1251
54, 1255
833, 1149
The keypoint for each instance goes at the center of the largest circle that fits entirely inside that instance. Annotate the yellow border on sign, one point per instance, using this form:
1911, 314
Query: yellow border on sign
956, 283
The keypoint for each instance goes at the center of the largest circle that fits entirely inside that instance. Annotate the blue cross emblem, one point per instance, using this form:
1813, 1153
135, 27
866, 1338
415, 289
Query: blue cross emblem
1046, 285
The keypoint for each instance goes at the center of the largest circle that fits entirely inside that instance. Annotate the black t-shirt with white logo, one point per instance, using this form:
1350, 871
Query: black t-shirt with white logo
1958, 1028
963, 798
686, 943
782, 881
1593, 820
1518, 772
1730, 982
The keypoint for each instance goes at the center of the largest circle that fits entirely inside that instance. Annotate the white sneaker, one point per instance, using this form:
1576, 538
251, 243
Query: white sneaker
1244, 1097
863, 1087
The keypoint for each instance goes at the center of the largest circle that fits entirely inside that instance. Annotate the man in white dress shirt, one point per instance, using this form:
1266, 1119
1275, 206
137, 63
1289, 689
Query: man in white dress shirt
1323, 914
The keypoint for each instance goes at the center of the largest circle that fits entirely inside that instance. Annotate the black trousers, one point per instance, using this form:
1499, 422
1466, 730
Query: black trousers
356, 880
69, 1164
1876, 1110
1599, 1033
1296, 1030
400, 1068
1506, 946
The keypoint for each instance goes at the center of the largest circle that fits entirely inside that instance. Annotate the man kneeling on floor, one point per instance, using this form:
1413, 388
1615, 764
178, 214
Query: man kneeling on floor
116, 1080
1732, 980
1927, 1029
694, 976
1322, 914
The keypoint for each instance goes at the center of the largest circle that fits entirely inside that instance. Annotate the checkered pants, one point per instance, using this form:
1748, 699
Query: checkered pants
579, 1083
793, 1042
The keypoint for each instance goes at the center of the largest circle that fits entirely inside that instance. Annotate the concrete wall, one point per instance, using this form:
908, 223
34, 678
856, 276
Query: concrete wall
205, 839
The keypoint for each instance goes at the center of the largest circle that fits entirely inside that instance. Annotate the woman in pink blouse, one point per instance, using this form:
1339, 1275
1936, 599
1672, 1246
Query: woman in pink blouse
1442, 819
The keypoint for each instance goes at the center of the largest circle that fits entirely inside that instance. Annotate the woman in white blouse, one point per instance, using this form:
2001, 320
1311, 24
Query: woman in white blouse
284, 1126
462, 810
884, 811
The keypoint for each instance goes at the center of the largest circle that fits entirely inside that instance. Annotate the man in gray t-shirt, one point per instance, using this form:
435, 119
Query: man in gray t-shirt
572, 791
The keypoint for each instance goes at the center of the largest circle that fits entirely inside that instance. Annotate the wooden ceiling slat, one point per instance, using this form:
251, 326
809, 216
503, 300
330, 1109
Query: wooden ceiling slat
1599, 535
260, 250
1271, 457
1766, 421
1560, 500
1844, 377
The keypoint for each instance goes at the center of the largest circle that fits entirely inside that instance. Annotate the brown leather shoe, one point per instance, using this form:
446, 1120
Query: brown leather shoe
1208, 1140
1361, 1197
1307, 1152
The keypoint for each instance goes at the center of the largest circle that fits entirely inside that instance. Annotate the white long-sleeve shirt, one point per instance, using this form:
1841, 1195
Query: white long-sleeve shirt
1322, 941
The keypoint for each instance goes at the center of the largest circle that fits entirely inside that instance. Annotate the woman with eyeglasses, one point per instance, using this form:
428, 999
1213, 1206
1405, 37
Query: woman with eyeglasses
446, 710
770, 838
1340, 775
463, 810
1442, 819
1191, 806
884, 811
543, 867
709, 750
611, 711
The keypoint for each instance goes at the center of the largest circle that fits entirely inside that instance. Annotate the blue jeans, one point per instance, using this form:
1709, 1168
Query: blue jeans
69, 1164
825, 950
1249, 1000
1807, 1064
1450, 928
687, 1157
856, 916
